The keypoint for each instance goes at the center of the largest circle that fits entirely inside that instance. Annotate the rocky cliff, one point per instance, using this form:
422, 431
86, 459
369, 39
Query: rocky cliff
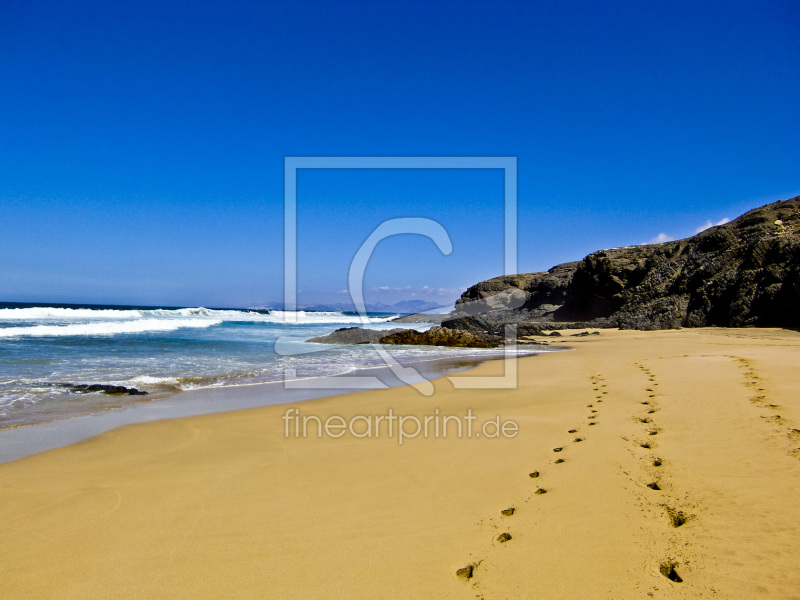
743, 273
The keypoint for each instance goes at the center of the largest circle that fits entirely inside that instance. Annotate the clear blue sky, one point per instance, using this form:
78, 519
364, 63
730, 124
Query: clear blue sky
142, 143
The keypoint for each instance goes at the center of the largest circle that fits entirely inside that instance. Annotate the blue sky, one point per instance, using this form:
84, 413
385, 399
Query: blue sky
142, 144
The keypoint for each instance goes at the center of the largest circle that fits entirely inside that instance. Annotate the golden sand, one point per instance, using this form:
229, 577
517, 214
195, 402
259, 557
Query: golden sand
226, 506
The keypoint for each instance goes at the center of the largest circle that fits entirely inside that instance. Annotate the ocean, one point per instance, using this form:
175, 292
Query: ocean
46, 349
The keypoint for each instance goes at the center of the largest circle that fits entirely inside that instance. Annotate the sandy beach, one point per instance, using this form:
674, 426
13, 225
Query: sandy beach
679, 459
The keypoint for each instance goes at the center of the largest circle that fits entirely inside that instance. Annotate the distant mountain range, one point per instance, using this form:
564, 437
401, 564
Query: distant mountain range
404, 307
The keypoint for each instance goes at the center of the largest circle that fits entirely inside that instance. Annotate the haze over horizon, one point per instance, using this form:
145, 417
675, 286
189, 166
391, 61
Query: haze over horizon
142, 146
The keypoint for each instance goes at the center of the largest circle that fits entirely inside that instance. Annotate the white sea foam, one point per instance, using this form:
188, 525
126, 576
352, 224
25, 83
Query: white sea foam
105, 328
302, 317
47, 313
150, 380
50, 314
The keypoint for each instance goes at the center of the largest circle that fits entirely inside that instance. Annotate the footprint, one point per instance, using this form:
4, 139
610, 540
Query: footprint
558, 461
677, 518
467, 572
533, 474
559, 449
667, 569
572, 431
540, 491
657, 462
654, 486
504, 537
511, 510
577, 439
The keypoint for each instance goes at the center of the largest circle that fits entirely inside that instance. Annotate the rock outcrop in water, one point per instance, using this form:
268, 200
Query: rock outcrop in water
353, 335
92, 388
743, 273
442, 336
436, 336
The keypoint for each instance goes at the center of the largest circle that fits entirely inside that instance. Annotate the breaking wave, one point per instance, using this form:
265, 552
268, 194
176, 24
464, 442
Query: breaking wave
105, 328
52, 314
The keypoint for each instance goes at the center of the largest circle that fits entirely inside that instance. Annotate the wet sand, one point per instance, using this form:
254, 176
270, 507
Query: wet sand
21, 441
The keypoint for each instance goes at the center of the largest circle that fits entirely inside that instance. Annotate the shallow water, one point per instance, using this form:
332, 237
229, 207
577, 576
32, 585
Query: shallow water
167, 350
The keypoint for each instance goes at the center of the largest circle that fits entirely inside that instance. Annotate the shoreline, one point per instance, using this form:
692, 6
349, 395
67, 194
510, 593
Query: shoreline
642, 458
20, 441
52, 348
160, 391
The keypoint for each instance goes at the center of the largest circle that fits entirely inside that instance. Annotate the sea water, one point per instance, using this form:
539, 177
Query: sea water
166, 350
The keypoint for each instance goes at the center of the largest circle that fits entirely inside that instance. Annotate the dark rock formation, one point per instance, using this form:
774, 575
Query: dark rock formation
743, 273
436, 336
83, 388
353, 335
420, 318
442, 336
